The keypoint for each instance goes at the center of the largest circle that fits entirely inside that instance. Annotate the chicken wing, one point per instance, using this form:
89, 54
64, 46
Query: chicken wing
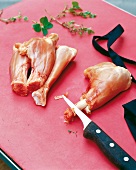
106, 80
64, 55
19, 66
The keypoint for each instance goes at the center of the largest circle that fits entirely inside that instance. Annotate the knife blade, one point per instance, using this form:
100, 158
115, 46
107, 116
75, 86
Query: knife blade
108, 146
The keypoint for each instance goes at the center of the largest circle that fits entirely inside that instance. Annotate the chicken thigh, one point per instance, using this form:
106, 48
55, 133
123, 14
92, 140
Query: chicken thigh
64, 55
106, 80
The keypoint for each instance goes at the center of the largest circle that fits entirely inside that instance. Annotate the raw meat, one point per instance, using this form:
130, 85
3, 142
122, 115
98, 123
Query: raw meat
37, 53
41, 52
106, 80
19, 66
64, 55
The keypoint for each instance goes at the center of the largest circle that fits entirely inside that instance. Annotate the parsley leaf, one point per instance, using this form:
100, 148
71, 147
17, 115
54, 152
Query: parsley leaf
44, 31
37, 27
44, 21
43, 25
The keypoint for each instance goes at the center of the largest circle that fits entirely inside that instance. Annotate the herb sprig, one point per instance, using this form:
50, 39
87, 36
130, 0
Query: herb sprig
73, 27
75, 10
43, 25
12, 19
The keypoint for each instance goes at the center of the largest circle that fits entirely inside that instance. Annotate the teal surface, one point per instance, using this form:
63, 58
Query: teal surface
9, 161
6, 3
127, 5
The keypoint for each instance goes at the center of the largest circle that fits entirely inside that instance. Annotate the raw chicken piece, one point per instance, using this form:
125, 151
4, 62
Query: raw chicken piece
19, 66
64, 55
106, 81
41, 51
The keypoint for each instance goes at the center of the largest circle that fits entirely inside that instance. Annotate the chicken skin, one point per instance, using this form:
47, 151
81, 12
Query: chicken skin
106, 80
19, 66
64, 55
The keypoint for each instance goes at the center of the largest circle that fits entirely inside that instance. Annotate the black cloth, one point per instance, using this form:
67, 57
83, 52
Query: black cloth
130, 116
111, 37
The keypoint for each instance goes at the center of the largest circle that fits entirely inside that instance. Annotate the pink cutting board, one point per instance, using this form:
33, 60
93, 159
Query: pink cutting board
36, 137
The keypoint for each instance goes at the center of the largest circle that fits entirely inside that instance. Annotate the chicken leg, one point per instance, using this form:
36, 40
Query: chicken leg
41, 52
19, 66
37, 53
106, 80
64, 55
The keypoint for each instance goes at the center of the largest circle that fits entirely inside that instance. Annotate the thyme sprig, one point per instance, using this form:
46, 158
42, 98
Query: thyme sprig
12, 19
73, 27
75, 10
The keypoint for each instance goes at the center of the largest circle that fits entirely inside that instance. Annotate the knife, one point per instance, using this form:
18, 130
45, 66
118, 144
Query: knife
9, 161
107, 145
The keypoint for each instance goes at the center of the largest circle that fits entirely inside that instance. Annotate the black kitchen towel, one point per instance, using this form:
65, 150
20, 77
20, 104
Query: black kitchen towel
111, 37
130, 116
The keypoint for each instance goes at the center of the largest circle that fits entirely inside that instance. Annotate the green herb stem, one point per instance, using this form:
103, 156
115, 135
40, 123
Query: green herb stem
12, 19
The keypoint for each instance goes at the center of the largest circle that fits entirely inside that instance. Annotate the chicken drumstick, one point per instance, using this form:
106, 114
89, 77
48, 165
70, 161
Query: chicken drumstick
37, 53
41, 52
106, 80
64, 55
19, 66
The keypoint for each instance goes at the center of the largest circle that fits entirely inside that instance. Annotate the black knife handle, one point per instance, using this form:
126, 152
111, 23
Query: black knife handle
109, 147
